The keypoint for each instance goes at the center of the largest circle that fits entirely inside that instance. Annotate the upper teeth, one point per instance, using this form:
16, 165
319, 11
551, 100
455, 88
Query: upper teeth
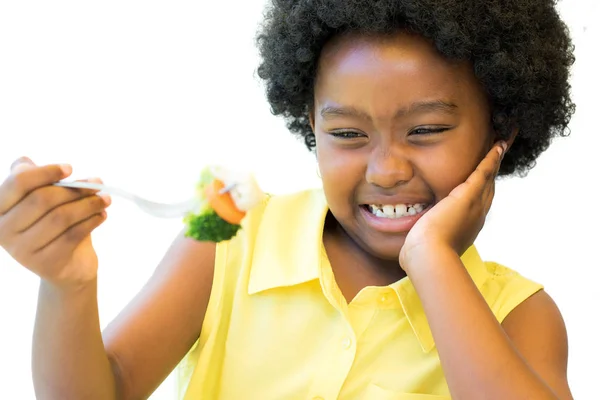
396, 211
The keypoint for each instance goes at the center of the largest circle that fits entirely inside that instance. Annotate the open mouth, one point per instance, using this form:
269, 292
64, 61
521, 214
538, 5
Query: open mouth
395, 211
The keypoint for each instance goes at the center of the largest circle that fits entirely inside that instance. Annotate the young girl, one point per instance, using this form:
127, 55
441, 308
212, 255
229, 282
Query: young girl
368, 289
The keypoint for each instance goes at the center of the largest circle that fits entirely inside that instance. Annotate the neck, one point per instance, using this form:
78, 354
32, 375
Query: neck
353, 266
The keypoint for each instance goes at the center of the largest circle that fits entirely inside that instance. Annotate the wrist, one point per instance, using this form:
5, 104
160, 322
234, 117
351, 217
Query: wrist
69, 289
425, 256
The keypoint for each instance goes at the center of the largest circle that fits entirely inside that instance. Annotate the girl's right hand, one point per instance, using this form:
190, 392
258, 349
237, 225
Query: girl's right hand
47, 228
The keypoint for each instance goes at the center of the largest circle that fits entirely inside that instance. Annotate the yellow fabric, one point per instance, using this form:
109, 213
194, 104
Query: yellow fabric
277, 326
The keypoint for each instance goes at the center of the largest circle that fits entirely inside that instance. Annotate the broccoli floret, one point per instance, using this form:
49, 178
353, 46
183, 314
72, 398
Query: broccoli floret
208, 226
204, 224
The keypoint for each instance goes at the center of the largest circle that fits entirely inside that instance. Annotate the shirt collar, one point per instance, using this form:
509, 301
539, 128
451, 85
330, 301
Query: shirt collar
276, 263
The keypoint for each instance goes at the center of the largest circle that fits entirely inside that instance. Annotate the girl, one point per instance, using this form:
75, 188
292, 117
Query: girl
368, 289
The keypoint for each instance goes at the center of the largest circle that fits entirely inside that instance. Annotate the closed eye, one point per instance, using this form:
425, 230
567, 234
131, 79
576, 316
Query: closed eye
347, 134
428, 131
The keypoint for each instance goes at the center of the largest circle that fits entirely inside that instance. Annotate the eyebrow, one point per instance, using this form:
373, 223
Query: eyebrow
420, 107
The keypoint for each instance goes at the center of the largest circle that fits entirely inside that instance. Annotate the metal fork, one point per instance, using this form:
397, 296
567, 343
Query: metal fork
160, 210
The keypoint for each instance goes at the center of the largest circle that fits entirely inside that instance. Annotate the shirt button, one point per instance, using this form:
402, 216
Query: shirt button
347, 343
383, 298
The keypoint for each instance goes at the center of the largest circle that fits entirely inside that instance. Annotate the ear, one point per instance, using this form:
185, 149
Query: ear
511, 138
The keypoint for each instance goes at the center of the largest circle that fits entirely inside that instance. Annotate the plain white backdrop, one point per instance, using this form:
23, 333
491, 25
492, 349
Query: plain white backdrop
143, 94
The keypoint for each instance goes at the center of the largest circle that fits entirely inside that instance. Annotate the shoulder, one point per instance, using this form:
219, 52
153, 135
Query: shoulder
278, 225
532, 320
537, 330
271, 236
521, 304
281, 212
505, 289
516, 299
540, 312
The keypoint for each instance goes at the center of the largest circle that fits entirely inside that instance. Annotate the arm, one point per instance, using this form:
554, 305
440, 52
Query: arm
47, 230
72, 359
155, 331
68, 357
537, 329
478, 356
526, 360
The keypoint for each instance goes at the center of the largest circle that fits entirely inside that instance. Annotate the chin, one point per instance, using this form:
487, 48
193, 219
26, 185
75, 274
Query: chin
384, 248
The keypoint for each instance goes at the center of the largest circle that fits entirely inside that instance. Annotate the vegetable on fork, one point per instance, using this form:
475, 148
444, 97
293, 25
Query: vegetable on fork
225, 198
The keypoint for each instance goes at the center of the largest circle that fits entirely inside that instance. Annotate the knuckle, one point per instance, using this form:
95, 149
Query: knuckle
76, 233
73, 235
61, 217
487, 173
473, 203
95, 202
40, 199
18, 252
16, 182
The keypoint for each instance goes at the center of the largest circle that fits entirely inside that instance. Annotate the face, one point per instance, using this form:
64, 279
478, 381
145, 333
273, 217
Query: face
397, 128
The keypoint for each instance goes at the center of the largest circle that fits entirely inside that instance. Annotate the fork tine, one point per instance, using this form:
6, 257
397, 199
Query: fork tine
227, 188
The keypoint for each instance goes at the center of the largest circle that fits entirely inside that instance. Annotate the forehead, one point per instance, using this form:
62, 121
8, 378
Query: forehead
391, 68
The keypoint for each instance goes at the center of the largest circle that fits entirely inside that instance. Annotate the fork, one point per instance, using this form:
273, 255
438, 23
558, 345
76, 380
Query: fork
160, 210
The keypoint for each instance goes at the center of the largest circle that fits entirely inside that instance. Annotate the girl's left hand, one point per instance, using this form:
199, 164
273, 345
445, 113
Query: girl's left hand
455, 221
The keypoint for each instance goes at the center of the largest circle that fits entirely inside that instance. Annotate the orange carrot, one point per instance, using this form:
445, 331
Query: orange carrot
223, 203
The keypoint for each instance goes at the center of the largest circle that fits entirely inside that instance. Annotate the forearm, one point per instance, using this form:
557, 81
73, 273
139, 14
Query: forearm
477, 356
69, 359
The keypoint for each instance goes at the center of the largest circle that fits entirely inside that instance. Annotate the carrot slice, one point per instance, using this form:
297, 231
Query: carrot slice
223, 203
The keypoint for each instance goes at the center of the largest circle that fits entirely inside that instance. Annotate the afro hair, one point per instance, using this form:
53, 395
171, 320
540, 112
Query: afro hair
520, 50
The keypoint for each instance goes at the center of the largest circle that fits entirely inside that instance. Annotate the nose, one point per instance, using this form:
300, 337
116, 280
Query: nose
388, 169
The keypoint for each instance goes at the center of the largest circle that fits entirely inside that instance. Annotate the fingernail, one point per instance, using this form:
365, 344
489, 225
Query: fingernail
66, 169
94, 180
20, 167
106, 198
21, 163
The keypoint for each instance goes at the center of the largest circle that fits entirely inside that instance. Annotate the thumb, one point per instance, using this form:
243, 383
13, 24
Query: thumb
21, 164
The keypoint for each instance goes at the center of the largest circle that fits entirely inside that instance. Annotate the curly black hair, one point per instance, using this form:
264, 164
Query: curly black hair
520, 50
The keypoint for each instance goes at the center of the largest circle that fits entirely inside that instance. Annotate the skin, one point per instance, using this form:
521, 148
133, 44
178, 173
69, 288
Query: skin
370, 153
47, 230
452, 170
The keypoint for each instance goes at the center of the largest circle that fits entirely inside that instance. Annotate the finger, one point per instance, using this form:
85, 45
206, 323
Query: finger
490, 199
26, 178
499, 149
21, 163
62, 218
64, 245
477, 184
40, 202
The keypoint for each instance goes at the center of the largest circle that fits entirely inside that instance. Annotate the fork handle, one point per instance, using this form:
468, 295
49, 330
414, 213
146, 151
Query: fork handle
96, 186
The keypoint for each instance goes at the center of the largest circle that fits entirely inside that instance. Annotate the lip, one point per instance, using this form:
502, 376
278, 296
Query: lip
391, 225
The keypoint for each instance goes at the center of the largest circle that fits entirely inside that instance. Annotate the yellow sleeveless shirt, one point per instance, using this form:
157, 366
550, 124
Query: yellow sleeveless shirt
277, 326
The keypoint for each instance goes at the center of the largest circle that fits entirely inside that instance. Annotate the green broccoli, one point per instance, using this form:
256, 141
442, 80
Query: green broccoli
208, 226
204, 223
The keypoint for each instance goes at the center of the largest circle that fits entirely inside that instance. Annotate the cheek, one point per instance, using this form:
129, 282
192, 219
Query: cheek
445, 171
337, 171
341, 173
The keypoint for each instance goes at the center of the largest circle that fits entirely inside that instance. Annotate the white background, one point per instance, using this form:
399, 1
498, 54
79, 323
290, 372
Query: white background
145, 93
